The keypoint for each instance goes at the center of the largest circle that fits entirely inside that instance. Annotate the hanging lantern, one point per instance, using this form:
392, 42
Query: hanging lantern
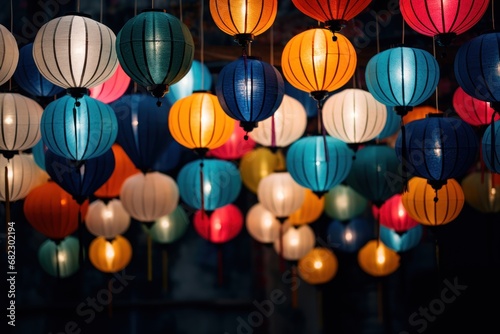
392, 214
59, 258
392, 125
9, 53
443, 20
343, 203
349, 236
402, 77
261, 224
113, 88
148, 196
471, 110
285, 126
235, 147
249, 90
169, 228
433, 207
110, 256
75, 52
354, 116
243, 20
376, 259
310, 210
107, 219
219, 182
419, 112
198, 78
304, 98
259, 163
482, 192
319, 266
22, 176
297, 241
155, 49
29, 78
198, 122
78, 131
223, 225
170, 158
38, 152
319, 163
491, 147
401, 241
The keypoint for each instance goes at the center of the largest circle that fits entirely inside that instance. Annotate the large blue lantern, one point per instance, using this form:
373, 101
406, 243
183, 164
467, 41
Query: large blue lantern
401, 241
349, 236
198, 78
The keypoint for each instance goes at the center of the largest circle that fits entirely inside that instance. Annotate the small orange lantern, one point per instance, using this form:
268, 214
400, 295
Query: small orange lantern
110, 256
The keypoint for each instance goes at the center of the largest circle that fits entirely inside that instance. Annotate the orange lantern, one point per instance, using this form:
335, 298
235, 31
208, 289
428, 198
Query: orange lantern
259, 163
482, 191
318, 266
419, 112
311, 209
110, 256
376, 259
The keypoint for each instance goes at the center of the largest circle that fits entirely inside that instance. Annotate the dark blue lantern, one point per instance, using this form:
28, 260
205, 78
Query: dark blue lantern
491, 147
392, 125
349, 236
250, 90
401, 241
319, 163
170, 158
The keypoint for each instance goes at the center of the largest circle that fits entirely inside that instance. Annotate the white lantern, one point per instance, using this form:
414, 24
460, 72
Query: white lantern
107, 219
23, 174
261, 224
148, 196
297, 241
9, 55
354, 116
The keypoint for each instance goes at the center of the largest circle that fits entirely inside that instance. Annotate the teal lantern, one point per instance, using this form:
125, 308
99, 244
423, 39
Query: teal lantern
491, 147
401, 241
198, 78
343, 203
59, 258
169, 228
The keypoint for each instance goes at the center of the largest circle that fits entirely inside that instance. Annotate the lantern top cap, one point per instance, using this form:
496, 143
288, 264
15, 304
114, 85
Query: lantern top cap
78, 14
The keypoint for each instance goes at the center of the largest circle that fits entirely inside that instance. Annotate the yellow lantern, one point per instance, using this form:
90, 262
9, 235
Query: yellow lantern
376, 259
433, 207
110, 256
482, 194
311, 209
258, 164
318, 266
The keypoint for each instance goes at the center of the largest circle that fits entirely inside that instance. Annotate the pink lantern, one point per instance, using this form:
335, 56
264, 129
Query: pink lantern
235, 147
473, 111
222, 225
113, 88
392, 214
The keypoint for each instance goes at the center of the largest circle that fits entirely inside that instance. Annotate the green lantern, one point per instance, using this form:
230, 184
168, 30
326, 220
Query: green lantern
344, 203
59, 258
171, 227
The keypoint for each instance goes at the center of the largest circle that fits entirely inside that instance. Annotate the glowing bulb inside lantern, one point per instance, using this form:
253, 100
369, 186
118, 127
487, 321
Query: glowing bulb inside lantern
401, 212
217, 226
207, 188
318, 264
341, 202
10, 174
109, 253
107, 214
64, 201
164, 223
493, 191
380, 255
294, 241
267, 223
317, 163
61, 256
8, 120
348, 236
280, 195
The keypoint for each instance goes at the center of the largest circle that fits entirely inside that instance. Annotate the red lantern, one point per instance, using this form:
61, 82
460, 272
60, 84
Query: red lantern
113, 88
222, 225
392, 214
235, 147
473, 111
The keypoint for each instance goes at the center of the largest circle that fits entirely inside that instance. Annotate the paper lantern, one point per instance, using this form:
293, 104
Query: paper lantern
235, 147
9, 53
223, 225
349, 236
22, 176
249, 90
107, 219
343, 203
319, 266
197, 78
442, 19
376, 259
261, 224
59, 258
471, 110
482, 192
243, 20
257, 164
310, 210
169, 228
78, 132
285, 126
110, 256
392, 214
402, 77
75, 52
218, 181
419, 112
392, 125
20, 123
311, 61
319, 163
354, 116
148, 196
401, 241
490, 145
297, 241
155, 49
279, 193
199, 123
113, 88
310, 105
433, 207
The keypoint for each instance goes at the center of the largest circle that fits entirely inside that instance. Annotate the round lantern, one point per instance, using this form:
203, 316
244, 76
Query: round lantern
9, 53
78, 131
285, 126
376, 259
319, 266
343, 203
198, 122
419, 112
59, 258
354, 116
169, 228
155, 49
257, 164
349, 236
110, 256
113, 88
223, 225
148, 196
297, 241
243, 20
249, 90
392, 214
482, 192
235, 147
311, 61
402, 77
22, 176
310, 105
442, 19
261, 224
107, 219
433, 207
392, 125
319, 163
29, 78
310, 210
401, 241
39, 154
20, 122
490, 145
279, 193
75, 52
209, 184
198, 78
471, 110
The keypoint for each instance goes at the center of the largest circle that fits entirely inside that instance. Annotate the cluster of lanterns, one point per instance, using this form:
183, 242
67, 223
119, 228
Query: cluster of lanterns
108, 153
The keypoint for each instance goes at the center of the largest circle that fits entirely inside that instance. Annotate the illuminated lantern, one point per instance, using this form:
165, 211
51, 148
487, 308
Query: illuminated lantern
319, 266
490, 145
59, 258
482, 194
392, 214
419, 112
223, 225
198, 78
297, 241
349, 236
471, 110
433, 207
310, 210
343, 203
169, 228
107, 219
261, 224
304, 98
22, 176
9, 53
376, 259
442, 19
38, 152
235, 147
401, 241
257, 164
110, 256
392, 124
113, 88
155, 49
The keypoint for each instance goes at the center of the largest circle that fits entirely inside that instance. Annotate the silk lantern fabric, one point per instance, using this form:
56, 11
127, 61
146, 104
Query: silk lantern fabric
490, 145
261, 224
376, 259
170, 228
304, 98
473, 111
343, 203
310, 210
295, 242
235, 147
259, 163
392, 214
107, 219
482, 192
197, 78
59, 258
22, 176
402, 241
319, 266
110, 256
392, 125
9, 53
349, 236
113, 88
221, 226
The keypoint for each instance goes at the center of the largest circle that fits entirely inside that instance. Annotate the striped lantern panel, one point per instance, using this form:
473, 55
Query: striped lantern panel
9, 54
474, 111
327, 10
23, 175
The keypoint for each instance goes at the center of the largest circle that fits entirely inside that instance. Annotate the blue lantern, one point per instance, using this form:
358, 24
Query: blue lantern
78, 129
29, 78
319, 163
198, 78
39, 154
349, 236
170, 158
491, 147
401, 241
221, 183
250, 90
392, 124
310, 104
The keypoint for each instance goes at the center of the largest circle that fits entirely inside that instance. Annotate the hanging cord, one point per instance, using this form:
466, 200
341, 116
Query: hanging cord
152, 4
271, 61
77, 6
202, 45
377, 33
180, 9
101, 10
404, 153
80, 237
322, 130
164, 262
403, 32
493, 14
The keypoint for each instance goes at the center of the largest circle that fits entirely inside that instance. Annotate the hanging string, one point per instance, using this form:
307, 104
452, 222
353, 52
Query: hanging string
295, 286
493, 14
282, 258
322, 129
101, 10
80, 237
7, 201
404, 167
202, 45
377, 34
493, 141
135, 8
180, 9
77, 6
152, 4
12, 31
220, 261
